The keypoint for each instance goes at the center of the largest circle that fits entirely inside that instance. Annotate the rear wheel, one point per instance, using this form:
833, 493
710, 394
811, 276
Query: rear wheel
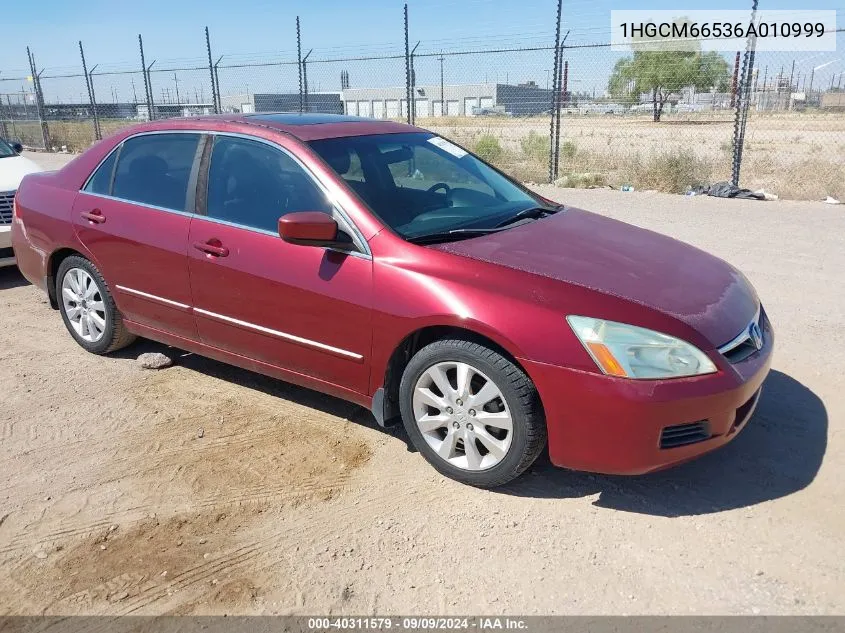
87, 307
472, 413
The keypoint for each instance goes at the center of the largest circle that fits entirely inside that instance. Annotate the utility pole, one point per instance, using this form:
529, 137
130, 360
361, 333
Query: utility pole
134, 95
176, 82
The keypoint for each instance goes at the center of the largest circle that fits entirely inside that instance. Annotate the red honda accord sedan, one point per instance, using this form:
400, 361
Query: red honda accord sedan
381, 263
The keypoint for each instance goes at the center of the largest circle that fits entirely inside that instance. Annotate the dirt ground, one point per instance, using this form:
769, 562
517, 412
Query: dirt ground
202, 488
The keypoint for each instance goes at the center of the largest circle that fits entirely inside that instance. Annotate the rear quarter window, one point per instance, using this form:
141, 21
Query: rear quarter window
100, 181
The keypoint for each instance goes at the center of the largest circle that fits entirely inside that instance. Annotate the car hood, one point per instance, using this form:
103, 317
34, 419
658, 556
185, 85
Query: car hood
618, 259
13, 169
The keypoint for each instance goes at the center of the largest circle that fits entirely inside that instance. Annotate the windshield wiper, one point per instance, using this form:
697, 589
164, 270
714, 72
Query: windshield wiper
447, 236
530, 212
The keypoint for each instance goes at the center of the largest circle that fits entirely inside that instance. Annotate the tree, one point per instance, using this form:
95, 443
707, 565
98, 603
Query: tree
660, 73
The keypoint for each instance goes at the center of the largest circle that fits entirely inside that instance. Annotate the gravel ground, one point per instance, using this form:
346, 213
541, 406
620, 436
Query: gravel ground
201, 488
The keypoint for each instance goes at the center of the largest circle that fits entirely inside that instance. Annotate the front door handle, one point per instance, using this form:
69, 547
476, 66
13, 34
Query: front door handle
94, 215
212, 247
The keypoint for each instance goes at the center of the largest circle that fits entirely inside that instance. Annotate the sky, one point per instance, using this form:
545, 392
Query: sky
250, 31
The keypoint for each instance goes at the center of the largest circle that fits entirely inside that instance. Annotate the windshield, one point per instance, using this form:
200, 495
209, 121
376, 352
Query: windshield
6, 149
421, 184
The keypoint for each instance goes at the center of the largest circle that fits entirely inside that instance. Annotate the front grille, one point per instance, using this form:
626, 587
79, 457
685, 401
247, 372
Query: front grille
6, 200
683, 434
741, 352
746, 343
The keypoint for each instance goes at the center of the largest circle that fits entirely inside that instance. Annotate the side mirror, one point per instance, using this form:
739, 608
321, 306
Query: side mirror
17, 147
308, 228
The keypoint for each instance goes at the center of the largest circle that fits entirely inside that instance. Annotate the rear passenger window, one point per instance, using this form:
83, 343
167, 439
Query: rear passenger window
100, 182
155, 169
253, 184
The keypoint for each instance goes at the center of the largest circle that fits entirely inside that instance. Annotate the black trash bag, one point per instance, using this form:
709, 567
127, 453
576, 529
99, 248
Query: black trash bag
727, 190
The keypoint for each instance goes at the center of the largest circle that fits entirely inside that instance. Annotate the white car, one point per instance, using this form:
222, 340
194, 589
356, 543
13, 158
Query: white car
13, 167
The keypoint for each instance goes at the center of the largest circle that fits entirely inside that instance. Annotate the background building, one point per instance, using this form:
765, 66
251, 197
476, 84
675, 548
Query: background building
327, 102
461, 100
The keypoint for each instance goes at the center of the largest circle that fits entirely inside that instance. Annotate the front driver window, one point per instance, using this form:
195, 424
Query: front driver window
253, 184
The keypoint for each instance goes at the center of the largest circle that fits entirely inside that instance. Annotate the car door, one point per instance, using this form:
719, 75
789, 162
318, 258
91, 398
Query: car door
132, 215
302, 308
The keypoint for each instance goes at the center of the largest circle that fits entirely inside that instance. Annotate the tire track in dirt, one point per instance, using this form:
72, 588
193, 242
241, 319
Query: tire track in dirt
230, 456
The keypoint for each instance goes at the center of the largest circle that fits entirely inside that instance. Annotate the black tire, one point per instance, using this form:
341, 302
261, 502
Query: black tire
115, 335
529, 424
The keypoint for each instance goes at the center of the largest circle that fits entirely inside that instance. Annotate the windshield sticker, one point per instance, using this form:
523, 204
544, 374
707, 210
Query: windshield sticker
446, 146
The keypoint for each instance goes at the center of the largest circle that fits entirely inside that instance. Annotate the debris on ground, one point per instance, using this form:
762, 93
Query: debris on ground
831, 200
727, 190
154, 360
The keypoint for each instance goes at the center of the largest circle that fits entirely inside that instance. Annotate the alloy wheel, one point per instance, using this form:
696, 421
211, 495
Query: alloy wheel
83, 304
463, 415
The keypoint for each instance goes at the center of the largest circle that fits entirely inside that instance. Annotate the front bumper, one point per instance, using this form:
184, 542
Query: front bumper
612, 425
7, 257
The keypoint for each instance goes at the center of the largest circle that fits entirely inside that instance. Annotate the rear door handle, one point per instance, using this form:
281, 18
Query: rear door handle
95, 215
212, 247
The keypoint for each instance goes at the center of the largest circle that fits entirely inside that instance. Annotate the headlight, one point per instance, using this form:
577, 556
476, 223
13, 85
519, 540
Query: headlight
628, 351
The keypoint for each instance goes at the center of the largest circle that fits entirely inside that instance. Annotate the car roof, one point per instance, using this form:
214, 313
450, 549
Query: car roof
308, 126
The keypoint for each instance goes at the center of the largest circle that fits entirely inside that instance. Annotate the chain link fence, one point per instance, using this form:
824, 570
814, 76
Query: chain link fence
580, 115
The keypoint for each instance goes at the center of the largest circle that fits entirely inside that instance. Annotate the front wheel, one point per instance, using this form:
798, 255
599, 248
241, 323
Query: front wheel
472, 413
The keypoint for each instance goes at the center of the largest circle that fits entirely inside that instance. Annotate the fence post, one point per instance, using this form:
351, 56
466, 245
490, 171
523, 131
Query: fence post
39, 100
219, 104
299, 63
561, 96
412, 104
89, 82
150, 84
305, 77
554, 102
443, 109
211, 71
4, 133
147, 91
742, 102
407, 71
97, 130
735, 81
